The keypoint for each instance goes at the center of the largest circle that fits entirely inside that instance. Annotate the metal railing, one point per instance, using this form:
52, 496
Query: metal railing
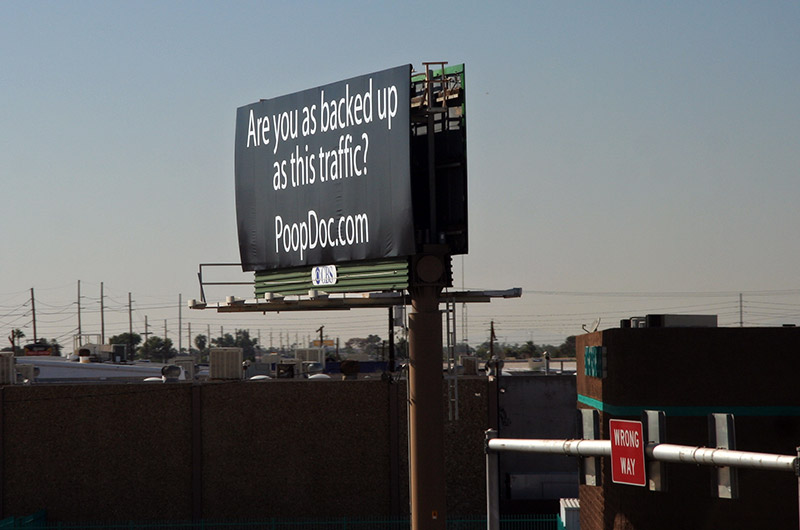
659, 452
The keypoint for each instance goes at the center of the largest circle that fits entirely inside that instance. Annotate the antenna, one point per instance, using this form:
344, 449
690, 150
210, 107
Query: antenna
593, 327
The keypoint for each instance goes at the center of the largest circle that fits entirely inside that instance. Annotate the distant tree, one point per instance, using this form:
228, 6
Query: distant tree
53, 343
567, 349
248, 345
56, 347
224, 341
370, 345
157, 348
201, 341
240, 339
16, 335
354, 345
401, 348
132, 340
527, 350
501, 349
547, 348
511, 350
463, 348
482, 351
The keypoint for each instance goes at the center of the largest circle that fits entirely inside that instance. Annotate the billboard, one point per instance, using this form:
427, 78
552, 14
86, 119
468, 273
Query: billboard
323, 175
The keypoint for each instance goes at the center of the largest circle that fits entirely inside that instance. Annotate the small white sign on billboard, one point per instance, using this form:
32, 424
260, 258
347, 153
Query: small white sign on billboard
323, 275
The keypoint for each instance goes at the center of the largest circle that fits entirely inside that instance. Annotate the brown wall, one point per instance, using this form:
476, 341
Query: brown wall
689, 373
226, 450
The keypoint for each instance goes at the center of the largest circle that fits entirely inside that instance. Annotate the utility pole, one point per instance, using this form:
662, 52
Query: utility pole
321, 343
492, 338
189, 337
33, 313
146, 325
165, 329
80, 340
102, 317
180, 327
130, 326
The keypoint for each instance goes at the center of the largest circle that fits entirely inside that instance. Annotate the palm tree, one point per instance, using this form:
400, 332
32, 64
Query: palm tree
16, 334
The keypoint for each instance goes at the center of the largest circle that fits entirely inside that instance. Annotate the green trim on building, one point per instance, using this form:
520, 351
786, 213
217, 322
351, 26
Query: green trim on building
700, 411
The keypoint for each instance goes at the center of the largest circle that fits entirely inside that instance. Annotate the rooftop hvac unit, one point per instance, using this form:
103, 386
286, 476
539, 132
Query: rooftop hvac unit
225, 363
350, 368
316, 355
91, 352
470, 364
188, 367
670, 321
8, 375
27, 372
119, 353
681, 321
285, 371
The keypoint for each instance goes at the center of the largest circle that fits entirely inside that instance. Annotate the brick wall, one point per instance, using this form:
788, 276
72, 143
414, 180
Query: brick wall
225, 450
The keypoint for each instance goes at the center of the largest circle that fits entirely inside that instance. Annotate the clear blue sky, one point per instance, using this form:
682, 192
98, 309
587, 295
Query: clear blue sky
625, 157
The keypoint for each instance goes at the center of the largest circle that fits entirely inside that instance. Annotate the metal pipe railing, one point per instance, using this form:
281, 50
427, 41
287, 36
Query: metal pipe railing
685, 454
561, 447
662, 452
708, 456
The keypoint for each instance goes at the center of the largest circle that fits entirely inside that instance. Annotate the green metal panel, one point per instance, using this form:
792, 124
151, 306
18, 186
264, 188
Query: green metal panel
383, 275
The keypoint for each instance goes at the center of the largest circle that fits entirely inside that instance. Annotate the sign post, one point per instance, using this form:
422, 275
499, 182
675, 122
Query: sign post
627, 453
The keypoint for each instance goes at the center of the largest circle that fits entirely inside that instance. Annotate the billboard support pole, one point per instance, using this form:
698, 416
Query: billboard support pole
425, 408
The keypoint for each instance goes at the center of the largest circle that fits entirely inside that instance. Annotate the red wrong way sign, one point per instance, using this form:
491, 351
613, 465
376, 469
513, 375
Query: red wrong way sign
627, 452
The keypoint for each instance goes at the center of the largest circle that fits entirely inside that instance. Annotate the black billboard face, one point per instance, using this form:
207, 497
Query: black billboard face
323, 175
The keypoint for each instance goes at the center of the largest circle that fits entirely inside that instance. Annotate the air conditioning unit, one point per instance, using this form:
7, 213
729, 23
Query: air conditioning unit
285, 371
95, 353
316, 355
470, 364
26, 372
225, 363
119, 353
188, 367
681, 321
